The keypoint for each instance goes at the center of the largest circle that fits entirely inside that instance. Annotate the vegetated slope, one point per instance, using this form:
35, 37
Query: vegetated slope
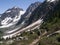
52, 20
51, 24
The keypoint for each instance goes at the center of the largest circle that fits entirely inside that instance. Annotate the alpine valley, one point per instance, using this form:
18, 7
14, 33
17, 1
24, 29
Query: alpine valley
38, 25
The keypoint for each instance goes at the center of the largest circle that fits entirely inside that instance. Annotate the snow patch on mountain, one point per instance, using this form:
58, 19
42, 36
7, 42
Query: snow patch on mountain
5, 26
22, 12
8, 21
8, 11
51, 0
18, 17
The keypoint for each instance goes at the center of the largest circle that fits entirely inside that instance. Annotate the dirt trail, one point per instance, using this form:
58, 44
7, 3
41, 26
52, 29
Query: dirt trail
35, 41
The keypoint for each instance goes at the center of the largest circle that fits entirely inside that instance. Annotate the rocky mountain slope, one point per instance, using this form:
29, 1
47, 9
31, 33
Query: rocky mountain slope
10, 17
41, 11
28, 13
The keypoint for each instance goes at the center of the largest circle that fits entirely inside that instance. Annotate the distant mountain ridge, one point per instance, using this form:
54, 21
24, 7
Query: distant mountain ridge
14, 18
11, 16
11, 12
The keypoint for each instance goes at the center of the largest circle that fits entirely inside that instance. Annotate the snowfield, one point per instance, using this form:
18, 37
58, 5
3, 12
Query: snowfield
50, 0
24, 29
7, 21
8, 11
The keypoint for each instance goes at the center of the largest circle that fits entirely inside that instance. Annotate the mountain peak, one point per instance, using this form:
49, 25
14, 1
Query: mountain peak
15, 7
33, 6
